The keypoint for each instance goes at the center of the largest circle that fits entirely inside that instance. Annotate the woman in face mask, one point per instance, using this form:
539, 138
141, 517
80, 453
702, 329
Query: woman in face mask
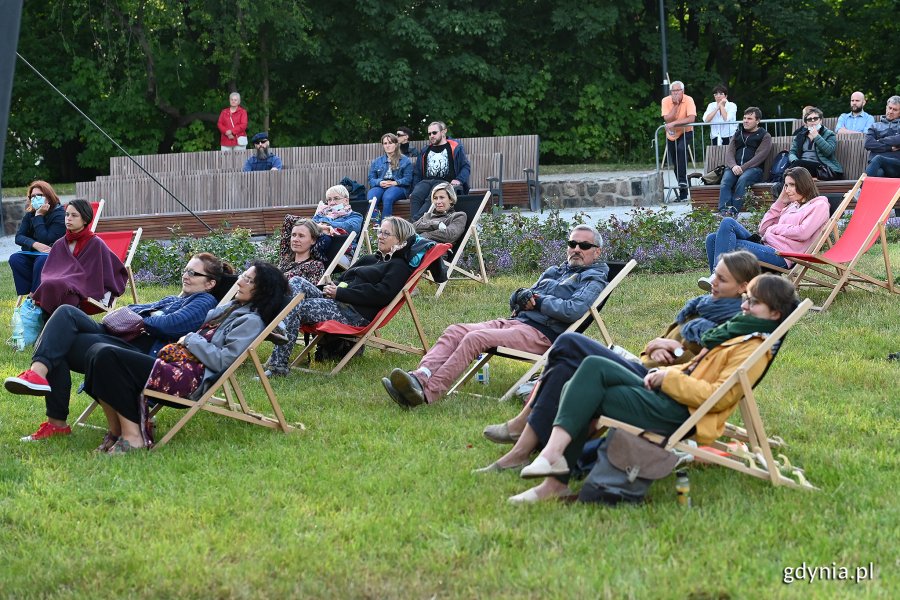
335, 217
814, 148
42, 224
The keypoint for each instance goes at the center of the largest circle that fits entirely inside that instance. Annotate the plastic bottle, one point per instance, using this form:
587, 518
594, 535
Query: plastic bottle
683, 488
483, 376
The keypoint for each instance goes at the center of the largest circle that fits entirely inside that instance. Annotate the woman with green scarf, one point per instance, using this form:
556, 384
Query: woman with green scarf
665, 397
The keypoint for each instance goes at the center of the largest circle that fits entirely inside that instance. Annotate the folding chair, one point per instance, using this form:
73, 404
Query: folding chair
369, 335
98, 209
338, 254
759, 461
473, 207
837, 205
234, 403
123, 244
592, 315
838, 264
364, 237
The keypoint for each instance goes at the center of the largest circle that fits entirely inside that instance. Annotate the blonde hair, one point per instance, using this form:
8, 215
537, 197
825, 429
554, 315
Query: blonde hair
447, 187
403, 229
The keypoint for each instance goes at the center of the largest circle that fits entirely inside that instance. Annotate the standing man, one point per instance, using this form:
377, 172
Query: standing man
857, 121
744, 159
263, 159
444, 159
678, 110
720, 110
883, 142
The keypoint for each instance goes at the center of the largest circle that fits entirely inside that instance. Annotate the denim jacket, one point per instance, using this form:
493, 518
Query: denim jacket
402, 175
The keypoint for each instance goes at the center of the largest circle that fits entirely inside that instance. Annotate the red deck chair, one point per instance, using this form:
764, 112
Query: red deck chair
368, 335
97, 207
123, 244
838, 264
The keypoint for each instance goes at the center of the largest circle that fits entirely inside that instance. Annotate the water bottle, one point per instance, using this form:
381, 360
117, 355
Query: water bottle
683, 488
483, 376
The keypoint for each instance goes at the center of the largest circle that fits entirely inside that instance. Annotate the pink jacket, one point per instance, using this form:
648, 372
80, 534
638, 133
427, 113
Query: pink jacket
794, 227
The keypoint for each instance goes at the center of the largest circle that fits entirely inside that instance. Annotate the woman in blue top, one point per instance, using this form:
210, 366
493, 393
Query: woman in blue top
42, 224
69, 333
390, 175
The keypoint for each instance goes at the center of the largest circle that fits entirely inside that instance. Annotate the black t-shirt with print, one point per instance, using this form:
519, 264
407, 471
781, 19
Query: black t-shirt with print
439, 163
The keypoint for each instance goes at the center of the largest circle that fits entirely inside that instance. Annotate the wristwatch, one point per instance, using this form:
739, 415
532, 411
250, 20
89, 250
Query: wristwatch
678, 352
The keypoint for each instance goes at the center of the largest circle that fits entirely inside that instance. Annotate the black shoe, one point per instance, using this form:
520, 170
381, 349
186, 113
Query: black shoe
393, 393
683, 192
408, 387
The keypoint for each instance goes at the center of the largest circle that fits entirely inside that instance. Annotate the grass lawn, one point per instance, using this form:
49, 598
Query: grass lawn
375, 502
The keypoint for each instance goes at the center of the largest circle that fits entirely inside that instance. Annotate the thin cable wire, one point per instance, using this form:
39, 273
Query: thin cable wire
121, 149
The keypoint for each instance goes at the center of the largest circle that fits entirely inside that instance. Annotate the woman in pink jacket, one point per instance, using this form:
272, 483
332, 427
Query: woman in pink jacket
233, 125
793, 223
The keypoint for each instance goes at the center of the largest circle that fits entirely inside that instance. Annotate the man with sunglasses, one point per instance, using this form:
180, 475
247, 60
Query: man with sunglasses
539, 314
443, 159
406, 149
263, 159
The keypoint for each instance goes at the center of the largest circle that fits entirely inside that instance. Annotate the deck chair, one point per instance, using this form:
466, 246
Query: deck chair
340, 244
364, 236
233, 403
369, 334
837, 205
759, 460
473, 206
123, 244
97, 207
836, 268
618, 270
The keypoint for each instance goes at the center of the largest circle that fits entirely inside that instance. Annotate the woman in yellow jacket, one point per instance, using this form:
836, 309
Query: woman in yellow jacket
665, 397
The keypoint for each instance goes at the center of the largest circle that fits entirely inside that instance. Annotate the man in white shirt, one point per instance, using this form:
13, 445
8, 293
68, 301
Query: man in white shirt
857, 121
721, 111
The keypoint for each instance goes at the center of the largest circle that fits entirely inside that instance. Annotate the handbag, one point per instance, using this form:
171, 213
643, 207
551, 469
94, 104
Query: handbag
123, 323
242, 140
714, 177
27, 323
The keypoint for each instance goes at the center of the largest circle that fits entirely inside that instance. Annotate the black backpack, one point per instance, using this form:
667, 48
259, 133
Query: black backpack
779, 166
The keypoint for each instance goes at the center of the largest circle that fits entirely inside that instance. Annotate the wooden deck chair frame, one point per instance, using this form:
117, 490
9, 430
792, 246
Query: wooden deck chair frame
592, 315
337, 258
760, 460
233, 403
843, 273
364, 236
827, 236
97, 305
471, 233
98, 210
369, 335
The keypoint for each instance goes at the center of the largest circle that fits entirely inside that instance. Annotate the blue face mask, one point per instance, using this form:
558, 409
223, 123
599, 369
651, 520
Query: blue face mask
37, 202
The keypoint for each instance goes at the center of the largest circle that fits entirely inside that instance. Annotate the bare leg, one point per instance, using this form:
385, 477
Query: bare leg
556, 445
131, 432
112, 419
519, 423
523, 448
40, 368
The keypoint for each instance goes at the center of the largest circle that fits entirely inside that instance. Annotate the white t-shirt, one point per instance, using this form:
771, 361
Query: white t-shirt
721, 131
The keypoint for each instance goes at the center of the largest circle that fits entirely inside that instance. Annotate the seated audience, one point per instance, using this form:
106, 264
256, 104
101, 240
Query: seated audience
79, 265
682, 341
115, 376
42, 224
721, 113
69, 334
857, 121
390, 176
814, 148
883, 142
443, 159
367, 287
263, 159
747, 151
793, 223
334, 216
407, 149
303, 252
664, 398
540, 313
441, 223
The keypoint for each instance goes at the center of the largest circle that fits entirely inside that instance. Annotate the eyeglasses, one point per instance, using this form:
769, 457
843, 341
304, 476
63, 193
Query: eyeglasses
247, 279
812, 119
384, 233
401, 134
433, 132
750, 300
583, 245
334, 198
193, 273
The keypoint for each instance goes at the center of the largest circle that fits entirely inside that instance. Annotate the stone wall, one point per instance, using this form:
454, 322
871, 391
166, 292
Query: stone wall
13, 211
602, 189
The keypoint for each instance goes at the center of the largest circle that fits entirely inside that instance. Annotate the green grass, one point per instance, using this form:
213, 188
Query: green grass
374, 502
61, 189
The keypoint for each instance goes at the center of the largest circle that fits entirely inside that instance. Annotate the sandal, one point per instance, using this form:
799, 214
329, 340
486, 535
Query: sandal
122, 446
109, 440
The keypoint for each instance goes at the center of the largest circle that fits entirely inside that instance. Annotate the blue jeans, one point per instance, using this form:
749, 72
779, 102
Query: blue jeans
733, 236
734, 187
883, 166
386, 198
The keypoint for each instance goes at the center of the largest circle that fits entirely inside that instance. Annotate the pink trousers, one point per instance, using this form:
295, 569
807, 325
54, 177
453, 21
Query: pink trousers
460, 344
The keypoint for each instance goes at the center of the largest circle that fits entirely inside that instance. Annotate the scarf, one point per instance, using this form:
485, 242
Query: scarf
737, 326
333, 212
81, 239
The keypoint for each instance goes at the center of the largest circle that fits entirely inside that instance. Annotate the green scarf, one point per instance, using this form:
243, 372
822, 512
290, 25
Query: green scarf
737, 326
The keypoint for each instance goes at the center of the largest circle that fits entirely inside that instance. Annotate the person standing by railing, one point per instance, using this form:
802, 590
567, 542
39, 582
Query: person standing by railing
719, 112
678, 109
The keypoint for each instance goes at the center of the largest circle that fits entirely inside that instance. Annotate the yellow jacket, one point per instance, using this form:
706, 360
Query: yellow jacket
710, 373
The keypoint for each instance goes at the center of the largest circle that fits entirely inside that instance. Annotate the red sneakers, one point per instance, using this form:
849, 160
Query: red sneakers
28, 383
46, 430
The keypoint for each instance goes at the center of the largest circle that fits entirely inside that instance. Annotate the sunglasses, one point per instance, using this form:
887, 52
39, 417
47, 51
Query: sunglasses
401, 134
812, 119
583, 245
193, 273
260, 142
433, 132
